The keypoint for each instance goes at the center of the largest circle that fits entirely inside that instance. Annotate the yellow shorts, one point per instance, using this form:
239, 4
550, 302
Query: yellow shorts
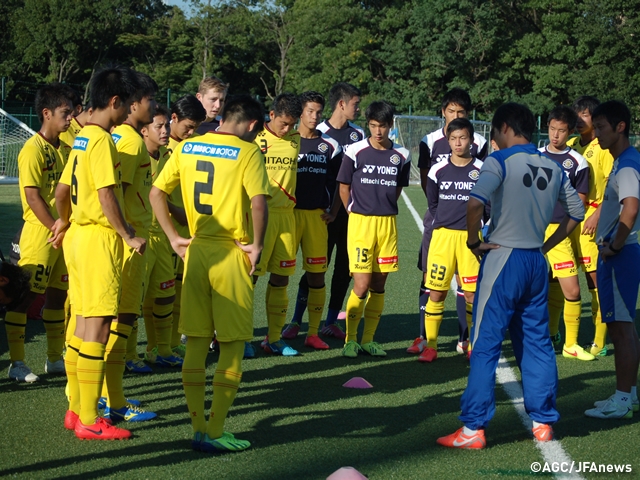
312, 235
561, 258
448, 251
69, 258
217, 292
45, 263
98, 257
372, 243
161, 278
134, 273
279, 252
585, 248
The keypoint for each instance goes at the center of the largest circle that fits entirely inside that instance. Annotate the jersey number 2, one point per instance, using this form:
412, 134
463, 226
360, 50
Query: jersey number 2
206, 188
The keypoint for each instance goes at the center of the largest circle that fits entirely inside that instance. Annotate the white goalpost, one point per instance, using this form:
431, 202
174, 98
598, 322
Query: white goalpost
13, 134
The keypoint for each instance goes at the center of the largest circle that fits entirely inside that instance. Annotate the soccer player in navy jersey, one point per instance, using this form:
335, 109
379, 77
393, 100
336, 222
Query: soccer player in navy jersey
372, 175
564, 288
344, 100
318, 163
448, 187
434, 148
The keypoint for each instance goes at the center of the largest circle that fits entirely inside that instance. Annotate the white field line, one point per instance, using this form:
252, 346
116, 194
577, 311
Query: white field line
551, 451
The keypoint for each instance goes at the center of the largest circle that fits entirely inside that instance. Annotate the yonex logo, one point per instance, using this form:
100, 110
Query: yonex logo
209, 150
540, 181
368, 168
80, 143
395, 159
474, 174
323, 147
567, 164
442, 157
354, 136
445, 185
116, 138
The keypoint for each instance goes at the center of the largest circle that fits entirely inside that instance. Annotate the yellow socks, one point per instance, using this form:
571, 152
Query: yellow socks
132, 343
54, 325
572, 312
163, 318
175, 333
115, 357
432, 321
15, 324
225, 385
355, 306
600, 336
277, 305
315, 306
469, 314
372, 313
194, 379
90, 373
70, 365
147, 314
176, 305
556, 302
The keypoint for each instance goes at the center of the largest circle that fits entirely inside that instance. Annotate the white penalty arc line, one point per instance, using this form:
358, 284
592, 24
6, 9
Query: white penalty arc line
552, 451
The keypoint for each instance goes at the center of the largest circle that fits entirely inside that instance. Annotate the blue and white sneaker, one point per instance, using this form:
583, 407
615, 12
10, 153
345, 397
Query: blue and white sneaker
102, 402
610, 409
138, 366
280, 348
226, 443
249, 350
129, 413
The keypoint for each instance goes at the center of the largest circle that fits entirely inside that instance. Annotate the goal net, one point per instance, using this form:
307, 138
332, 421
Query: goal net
13, 134
409, 130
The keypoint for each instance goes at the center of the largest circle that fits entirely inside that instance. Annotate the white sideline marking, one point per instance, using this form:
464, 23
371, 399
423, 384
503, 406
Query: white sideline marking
551, 451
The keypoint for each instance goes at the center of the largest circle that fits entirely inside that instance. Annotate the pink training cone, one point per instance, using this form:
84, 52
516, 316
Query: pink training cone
342, 316
357, 382
346, 473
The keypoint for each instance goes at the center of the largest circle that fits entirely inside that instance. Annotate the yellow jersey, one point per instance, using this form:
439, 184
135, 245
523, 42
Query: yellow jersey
40, 165
600, 164
93, 164
156, 167
281, 161
218, 174
70, 135
136, 171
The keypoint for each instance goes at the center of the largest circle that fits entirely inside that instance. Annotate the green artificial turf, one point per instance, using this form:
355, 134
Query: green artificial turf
302, 423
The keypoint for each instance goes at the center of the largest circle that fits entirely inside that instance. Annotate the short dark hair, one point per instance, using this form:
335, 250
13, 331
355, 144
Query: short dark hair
381, 112
516, 116
460, 124
564, 114
243, 108
615, 112
51, 97
162, 110
147, 86
287, 104
585, 102
74, 96
311, 97
189, 107
113, 81
457, 96
17, 287
342, 91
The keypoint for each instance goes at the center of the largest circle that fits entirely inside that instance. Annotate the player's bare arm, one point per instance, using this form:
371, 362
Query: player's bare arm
158, 200
63, 206
39, 206
331, 214
345, 192
591, 223
627, 219
564, 229
114, 215
260, 217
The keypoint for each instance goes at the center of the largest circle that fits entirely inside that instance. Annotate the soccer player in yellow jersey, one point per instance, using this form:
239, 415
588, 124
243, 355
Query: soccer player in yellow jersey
600, 164
280, 145
135, 168
160, 280
224, 186
92, 181
40, 165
